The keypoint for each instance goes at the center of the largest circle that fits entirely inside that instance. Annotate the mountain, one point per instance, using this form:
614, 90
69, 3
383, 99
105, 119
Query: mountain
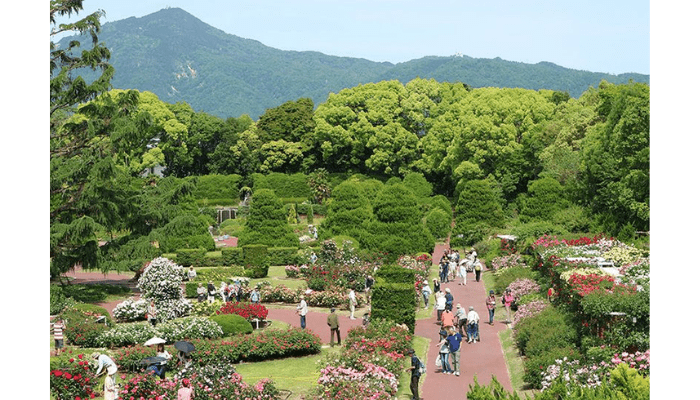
180, 58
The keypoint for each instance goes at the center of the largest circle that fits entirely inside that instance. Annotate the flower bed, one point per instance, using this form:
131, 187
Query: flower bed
248, 311
171, 331
75, 381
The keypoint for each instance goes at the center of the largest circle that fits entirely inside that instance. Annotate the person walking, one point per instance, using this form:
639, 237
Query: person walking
426, 292
352, 300
415, 369
151, 313
455, 341
369, 281
58, 328
106, 364
477, 269
461, 317
211, 292
449, 299
447, 319
436, 287
491, 305
332, 321
440, 306
444, 353
463, 271
302, 309
472, 326
507, 300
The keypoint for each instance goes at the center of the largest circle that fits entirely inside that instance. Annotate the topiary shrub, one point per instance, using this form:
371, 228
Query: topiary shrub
266, 222
232, 324
395, 302
438, 222
256, 261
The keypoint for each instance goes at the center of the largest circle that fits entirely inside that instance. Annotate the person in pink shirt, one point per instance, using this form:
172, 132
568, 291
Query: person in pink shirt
507, 300
185, 392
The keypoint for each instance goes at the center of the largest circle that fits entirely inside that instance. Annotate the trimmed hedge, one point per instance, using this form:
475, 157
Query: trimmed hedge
232, 324
394, 296
255, 260
282, 256
191, 257
232, 256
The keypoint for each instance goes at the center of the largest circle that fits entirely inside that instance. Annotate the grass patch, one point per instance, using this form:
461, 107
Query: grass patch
95, 292
277, 276
516, 368
297, 375
420, 345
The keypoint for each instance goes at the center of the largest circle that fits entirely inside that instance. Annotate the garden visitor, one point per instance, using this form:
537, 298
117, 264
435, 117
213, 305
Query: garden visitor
440, 306
447, 319
254, 296
443, 270
201, 292
211, 291
455, 341
452, 269
184, 358
507, 300
302, 309
313, 258
151, 313
186, 392
159, 369
461, 317
332, 322
426, 292
491, 305
223, 291
444, 353
472, 326
238, 289
369, 281
58, 328
352, 300
436, 287
463, 271
449, 299
415, 373
477, 269
229, 292
191, 274
106, 364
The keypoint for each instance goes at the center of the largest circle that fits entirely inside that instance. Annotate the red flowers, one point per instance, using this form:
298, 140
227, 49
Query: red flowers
246, 310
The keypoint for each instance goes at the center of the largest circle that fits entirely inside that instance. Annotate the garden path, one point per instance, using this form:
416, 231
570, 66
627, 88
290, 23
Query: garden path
482, 359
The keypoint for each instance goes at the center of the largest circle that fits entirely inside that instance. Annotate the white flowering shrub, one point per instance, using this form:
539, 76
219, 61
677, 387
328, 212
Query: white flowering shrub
127, 335
130, 310
171, 331
189, 328
161, 282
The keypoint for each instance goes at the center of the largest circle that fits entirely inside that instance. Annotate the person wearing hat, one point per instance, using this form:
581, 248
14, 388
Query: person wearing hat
507, 300
461, 316
449, 299
491, 305
426, 292
105, 364
332, 322
302, 309
415, 373
472, 326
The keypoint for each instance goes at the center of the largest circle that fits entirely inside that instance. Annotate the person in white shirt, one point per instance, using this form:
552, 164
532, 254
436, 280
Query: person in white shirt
472, 325
103, 362
302, 309
191, 274
426, 292
352, 303
440, 305
201, 293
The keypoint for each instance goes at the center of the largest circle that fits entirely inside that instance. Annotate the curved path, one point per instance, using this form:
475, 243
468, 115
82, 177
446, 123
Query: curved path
483, 359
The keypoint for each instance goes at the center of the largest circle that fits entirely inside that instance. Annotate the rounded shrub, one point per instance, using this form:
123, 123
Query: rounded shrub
232, 324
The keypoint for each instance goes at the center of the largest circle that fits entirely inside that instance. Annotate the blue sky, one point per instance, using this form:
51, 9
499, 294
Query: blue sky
600, 36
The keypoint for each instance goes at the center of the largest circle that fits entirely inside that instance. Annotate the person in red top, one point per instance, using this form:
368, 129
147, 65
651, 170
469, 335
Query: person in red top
58, 328
447, 319
185, 392
507, 300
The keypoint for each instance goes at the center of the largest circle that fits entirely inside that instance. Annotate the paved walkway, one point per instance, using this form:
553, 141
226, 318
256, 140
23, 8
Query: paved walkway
482, 359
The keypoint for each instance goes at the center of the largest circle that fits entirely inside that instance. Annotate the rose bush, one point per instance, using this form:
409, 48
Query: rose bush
248, 311
74, 381
161, 282
130, 310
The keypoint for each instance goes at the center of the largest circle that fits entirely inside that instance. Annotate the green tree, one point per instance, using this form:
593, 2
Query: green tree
267, 222
86, 192
615, 159
477, 209
544, 198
